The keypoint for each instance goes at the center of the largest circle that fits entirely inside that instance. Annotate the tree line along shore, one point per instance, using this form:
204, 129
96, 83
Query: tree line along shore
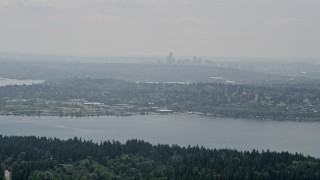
52, 158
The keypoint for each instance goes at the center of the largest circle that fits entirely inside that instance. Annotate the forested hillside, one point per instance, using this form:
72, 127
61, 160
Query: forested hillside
43, 158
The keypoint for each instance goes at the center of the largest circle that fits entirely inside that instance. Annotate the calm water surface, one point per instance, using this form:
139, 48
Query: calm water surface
6, 81
241, 134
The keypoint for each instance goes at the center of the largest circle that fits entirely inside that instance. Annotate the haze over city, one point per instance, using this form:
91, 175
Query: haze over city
159, 89
215, 28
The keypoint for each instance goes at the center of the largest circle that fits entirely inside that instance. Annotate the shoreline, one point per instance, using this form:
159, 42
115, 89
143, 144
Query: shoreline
307, 120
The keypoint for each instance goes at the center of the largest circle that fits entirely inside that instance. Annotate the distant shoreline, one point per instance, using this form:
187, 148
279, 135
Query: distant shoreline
306, 120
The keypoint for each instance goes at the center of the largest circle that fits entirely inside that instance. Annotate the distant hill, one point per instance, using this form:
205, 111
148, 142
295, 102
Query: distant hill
133, 72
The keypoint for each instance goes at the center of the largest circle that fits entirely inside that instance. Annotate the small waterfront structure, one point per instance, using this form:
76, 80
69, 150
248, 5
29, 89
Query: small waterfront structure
165, 111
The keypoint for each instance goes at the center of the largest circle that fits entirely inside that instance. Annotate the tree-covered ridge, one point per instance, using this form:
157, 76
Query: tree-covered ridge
277, 101
47, 158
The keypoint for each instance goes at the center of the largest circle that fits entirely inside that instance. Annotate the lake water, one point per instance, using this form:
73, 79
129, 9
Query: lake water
6, 81
241, 134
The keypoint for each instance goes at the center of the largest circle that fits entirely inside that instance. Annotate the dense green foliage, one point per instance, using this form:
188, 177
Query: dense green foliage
278, 101
43, 158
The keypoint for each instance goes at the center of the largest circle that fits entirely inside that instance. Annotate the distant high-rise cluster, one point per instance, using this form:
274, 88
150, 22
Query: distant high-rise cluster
196, 60
199, 61
170, 59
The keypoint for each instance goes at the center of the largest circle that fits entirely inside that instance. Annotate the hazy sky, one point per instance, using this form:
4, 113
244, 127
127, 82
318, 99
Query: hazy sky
228, 28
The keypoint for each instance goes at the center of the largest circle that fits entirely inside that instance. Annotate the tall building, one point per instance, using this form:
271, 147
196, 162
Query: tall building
170, 59
197, 60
